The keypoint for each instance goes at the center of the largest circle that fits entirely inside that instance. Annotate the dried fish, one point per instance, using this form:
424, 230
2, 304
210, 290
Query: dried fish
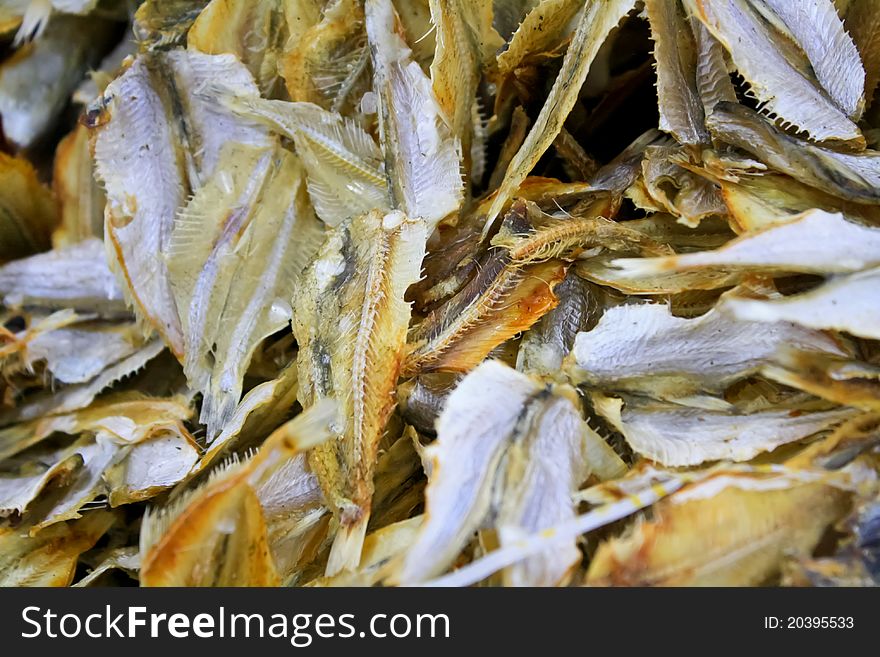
422, 155
850, 176
328, 64
75, 277
439, 292
125, 559
36, 82
466, 44
813, 242
157, 104
643, 347
350, 320
681, 109
526, 453
80, 197
782, 87
731, 531
50, 557
235, 252
844, 303
345, 170
256, 32
678, 436
840, 380
232, 498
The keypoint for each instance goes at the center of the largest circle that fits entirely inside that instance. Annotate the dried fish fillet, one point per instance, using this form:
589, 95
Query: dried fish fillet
255, 32
19, 490
74, 277
681, 110
125, 559
813, 242
350, 321
539, 31
158, 137
844, 303
50, 557
850, 176
712, 78
729, 537
153, 464
677, 436
843, 381
162, 24
466, 43
757, 201
235, 252
783, 89
78, 353
263, 408
190, 544
526, 454
816, 27
645, 347
422, 155
345, 170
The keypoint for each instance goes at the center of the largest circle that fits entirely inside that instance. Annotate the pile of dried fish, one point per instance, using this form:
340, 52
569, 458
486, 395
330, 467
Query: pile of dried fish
455, 292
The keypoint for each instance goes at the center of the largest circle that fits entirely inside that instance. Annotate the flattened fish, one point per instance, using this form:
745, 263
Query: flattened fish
235, 253
350, 321
158, 137
422, 155
645, 347
511, 462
